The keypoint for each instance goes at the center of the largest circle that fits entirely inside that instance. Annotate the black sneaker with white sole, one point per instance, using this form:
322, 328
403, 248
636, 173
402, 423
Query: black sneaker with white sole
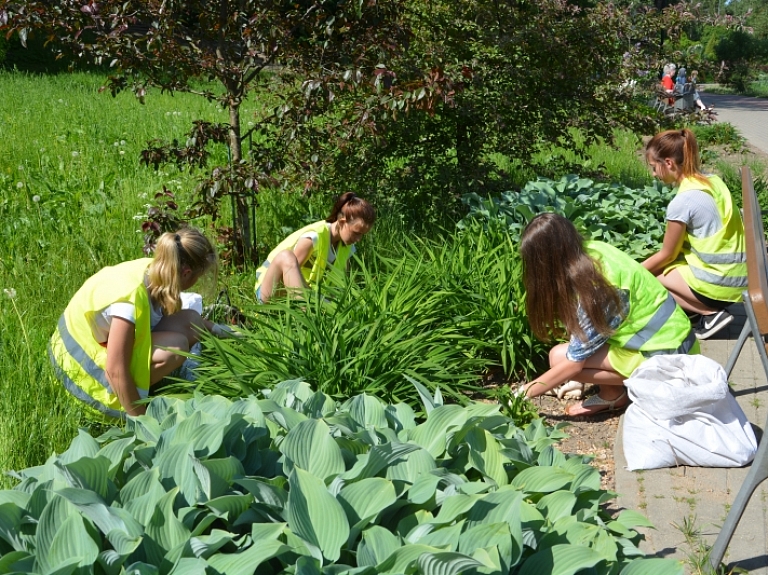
709, 325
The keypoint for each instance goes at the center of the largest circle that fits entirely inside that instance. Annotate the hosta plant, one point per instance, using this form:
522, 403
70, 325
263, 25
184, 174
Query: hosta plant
630, 219
298, 483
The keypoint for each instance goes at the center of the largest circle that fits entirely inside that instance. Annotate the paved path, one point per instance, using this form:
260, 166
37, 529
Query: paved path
748, 115
695, 496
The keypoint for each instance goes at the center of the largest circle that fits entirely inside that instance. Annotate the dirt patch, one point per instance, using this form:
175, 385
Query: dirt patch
593, 436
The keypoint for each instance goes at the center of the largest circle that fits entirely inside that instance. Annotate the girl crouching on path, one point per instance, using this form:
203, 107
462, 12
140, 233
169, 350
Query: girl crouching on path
613, 311
301, 259
702, 261
119, 334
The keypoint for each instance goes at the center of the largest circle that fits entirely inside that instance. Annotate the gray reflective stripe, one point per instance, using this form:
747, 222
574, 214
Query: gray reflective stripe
682, 349
80, 356
715, 259
722, 281
653, 326
77, 391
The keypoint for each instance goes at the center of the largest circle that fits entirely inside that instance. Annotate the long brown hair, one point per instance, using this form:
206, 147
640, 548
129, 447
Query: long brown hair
682, 148
559, 276
351, 207
187, 247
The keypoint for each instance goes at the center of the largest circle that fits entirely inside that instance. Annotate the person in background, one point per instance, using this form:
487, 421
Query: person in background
301, 259
667, 82
121, 332
613, 311
693, 80
702, 260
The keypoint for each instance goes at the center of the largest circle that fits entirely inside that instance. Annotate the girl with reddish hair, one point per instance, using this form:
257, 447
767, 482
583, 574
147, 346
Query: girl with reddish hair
702, 260
301, 259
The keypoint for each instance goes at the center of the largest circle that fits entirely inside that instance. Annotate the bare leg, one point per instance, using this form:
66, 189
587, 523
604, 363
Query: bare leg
177, 332
597, 369
283, 269
683, 295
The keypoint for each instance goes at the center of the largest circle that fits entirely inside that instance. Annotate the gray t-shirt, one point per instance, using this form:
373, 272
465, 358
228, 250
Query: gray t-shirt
698, 211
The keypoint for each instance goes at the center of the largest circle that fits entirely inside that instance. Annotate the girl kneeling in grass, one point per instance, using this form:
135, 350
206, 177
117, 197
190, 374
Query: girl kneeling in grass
702, 261
119, 334
613, 310
300, 260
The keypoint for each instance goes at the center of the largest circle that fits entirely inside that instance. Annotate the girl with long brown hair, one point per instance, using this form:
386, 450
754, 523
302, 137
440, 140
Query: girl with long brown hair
612, 311
702, 261
301, 260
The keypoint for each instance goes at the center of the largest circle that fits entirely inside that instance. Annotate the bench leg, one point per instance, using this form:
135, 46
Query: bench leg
745, 331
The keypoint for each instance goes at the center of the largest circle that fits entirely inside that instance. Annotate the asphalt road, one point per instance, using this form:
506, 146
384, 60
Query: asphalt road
748, 115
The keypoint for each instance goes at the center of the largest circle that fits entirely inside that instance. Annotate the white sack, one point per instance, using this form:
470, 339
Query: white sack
683, 414
192, 300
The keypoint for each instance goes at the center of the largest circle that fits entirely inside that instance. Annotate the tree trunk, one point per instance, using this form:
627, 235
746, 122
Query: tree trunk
241, 216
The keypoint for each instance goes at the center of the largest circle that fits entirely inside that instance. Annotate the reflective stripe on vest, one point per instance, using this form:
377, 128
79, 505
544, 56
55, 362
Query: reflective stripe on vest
75, 390
653, 326
721, 281
683, 349
737, 258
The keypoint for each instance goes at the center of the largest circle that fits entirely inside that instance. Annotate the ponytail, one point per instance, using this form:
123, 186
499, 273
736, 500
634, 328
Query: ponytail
682, 148
187, 247
351, 207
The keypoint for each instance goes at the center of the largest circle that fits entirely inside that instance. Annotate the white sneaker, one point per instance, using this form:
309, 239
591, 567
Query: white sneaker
709, 325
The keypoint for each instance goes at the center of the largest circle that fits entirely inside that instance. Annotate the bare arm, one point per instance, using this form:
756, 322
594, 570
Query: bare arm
118, 368
303, 250
562, 372
674, 236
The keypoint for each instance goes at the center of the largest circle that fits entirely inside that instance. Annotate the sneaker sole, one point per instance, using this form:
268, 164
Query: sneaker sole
714, 329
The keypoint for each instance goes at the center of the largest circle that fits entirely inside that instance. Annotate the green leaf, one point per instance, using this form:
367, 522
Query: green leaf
495, 535
485, 455
176, 470
414, 465
560, 560
367, 410
542, 479
434, 433
82, 446
16, 562
246, 562
315, 515
105, 518
10, 525
366, 498
556, 505
89, 473
633, 519
446, 563
376, 545
310, 446
72, 541
229, 507
52, 519
654, 566
403, 557
165, 529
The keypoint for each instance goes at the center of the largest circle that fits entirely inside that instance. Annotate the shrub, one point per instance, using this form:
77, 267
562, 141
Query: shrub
628, 218
296, 483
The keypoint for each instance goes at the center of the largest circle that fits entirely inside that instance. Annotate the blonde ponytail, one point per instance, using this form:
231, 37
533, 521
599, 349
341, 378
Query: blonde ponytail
187, 247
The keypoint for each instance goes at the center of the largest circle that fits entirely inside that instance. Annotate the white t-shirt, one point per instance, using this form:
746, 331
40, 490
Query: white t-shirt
331, 256
698, 211
102, 321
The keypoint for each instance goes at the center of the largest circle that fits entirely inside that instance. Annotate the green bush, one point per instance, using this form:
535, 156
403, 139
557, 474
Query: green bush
631, 219
299, 484
440, 312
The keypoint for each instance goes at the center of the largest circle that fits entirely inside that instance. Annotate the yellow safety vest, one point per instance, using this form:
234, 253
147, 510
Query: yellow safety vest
655, 323
717, 265
314, 268
79, 360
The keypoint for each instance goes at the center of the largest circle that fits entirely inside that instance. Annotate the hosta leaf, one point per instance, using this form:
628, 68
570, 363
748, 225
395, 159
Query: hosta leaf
264, 492
246, 562
432, 435
367, 410
189, 566
141, 495
400, 416
403, 557
10, 525
485, 455
206, 545
310, 446
632, 519
378, 458
140, 568
116, 451
654, 566
315, 515
445, 563
556, 505
424, 488
542, 479
122, 543
363, 500
495, 535
16, 562
376, 545
412, 466
204, 431
88, 473
82, 446
560, 560
229, 507
72, 541
165, 529
52, 519
455, 506
438, 536
104, 517
176, 470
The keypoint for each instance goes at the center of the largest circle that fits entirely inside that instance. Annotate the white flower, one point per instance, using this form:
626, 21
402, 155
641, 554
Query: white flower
61, 101
21, 168
122, 152
75, 153
116, 144
122, 142
19, 185
10, 292
35, 198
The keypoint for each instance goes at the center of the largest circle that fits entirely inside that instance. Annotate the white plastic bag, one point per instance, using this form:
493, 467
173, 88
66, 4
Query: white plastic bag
683, 414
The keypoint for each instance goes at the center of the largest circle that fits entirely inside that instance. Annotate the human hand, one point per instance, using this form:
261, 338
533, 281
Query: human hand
225, 332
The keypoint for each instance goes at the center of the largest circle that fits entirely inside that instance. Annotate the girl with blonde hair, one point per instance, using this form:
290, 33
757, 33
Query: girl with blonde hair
121, 331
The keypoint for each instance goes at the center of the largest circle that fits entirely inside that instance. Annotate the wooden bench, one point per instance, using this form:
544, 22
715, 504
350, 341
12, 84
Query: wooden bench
756, 307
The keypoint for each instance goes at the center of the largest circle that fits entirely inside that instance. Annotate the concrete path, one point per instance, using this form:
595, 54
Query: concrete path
685, 499
675, 499
748, 115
